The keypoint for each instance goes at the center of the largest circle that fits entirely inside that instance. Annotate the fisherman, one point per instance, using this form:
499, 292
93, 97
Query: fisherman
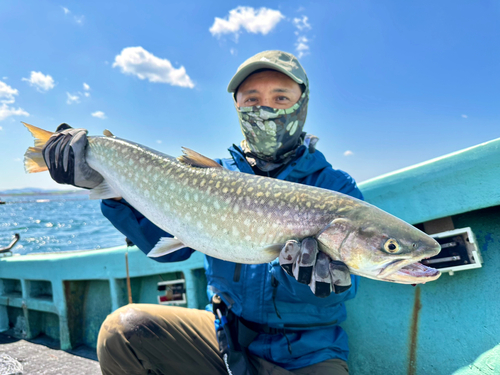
277, 318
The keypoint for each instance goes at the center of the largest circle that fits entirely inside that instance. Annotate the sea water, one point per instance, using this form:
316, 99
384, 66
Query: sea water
51, 223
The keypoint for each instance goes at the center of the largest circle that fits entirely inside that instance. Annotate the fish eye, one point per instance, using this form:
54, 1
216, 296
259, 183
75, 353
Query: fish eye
391, 245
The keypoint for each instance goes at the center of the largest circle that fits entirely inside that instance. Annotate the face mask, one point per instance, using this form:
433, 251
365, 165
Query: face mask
272, 133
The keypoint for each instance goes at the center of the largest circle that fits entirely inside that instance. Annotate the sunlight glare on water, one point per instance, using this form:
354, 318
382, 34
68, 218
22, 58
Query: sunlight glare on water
52, 223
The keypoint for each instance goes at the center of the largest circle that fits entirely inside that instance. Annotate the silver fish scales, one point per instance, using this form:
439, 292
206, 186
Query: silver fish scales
246, 218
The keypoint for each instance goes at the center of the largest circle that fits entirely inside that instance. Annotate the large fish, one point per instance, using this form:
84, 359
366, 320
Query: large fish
245, 218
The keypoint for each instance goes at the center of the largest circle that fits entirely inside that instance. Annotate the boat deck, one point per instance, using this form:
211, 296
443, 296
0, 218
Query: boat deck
41, 356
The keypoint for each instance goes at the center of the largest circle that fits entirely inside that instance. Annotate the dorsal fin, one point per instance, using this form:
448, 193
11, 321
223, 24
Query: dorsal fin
107, 133
195, 159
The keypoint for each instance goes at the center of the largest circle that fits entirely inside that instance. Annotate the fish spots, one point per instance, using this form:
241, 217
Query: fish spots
250, 189
199, 224
216, 205
259, 194
308, 204
247, 222
239, 191
236, 209
248, 238
277, 195
203, 182
130, 161
204, 209
225, 190
186, 197
235, 231
195, 197
214, 227
146, 193
217, 185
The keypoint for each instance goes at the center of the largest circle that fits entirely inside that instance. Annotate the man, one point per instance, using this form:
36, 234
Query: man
276, 318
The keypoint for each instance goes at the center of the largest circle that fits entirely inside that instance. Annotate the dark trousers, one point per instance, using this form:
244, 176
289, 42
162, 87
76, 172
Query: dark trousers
142, 339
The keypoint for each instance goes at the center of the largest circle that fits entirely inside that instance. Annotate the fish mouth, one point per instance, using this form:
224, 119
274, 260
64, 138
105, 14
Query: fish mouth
409, 272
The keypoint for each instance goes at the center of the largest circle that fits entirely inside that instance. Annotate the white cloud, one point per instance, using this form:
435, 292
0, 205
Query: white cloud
233, 51
143, 64
7, 93
72, 98
348, 153
7, 97
86, 89
99, 114
41, 81
1, 128
6, 111
254, 21
302, 44
158, 141
465, 116
79, 19
301, 23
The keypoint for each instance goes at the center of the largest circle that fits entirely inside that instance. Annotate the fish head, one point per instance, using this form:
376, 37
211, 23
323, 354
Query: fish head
381, 247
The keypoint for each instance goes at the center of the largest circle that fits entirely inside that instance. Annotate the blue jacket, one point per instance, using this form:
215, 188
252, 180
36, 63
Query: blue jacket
264, 293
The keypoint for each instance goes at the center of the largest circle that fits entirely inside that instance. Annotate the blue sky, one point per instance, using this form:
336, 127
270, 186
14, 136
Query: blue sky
393, 83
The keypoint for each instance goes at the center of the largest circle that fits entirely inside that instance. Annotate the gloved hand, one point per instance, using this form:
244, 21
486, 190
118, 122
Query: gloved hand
64, 154
304, 262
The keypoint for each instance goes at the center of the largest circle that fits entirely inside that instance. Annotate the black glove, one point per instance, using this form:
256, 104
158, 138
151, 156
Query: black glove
307, 265
64, 154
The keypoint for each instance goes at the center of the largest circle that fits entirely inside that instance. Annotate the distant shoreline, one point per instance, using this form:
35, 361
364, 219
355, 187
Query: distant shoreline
49, 192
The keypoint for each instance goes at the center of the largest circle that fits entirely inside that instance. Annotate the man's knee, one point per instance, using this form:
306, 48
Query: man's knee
124, 327
129, 321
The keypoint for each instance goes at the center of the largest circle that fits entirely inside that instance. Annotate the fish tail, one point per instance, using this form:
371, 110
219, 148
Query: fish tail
33, 158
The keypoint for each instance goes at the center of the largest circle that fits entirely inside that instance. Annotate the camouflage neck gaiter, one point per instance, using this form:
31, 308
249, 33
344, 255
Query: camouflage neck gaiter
271, 134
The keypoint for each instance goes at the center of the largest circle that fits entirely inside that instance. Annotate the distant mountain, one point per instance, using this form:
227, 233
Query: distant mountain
37, 191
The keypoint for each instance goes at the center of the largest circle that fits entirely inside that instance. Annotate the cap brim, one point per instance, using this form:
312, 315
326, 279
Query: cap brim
242, 74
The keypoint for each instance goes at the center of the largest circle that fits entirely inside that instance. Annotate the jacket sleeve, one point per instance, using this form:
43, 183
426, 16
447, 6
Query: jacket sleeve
337, 180
142, 232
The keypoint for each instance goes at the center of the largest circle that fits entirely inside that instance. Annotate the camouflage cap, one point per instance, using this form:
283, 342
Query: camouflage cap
283, 62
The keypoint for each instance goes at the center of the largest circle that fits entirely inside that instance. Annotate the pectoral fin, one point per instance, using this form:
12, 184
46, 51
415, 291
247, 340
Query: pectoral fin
103, 191
166, 245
